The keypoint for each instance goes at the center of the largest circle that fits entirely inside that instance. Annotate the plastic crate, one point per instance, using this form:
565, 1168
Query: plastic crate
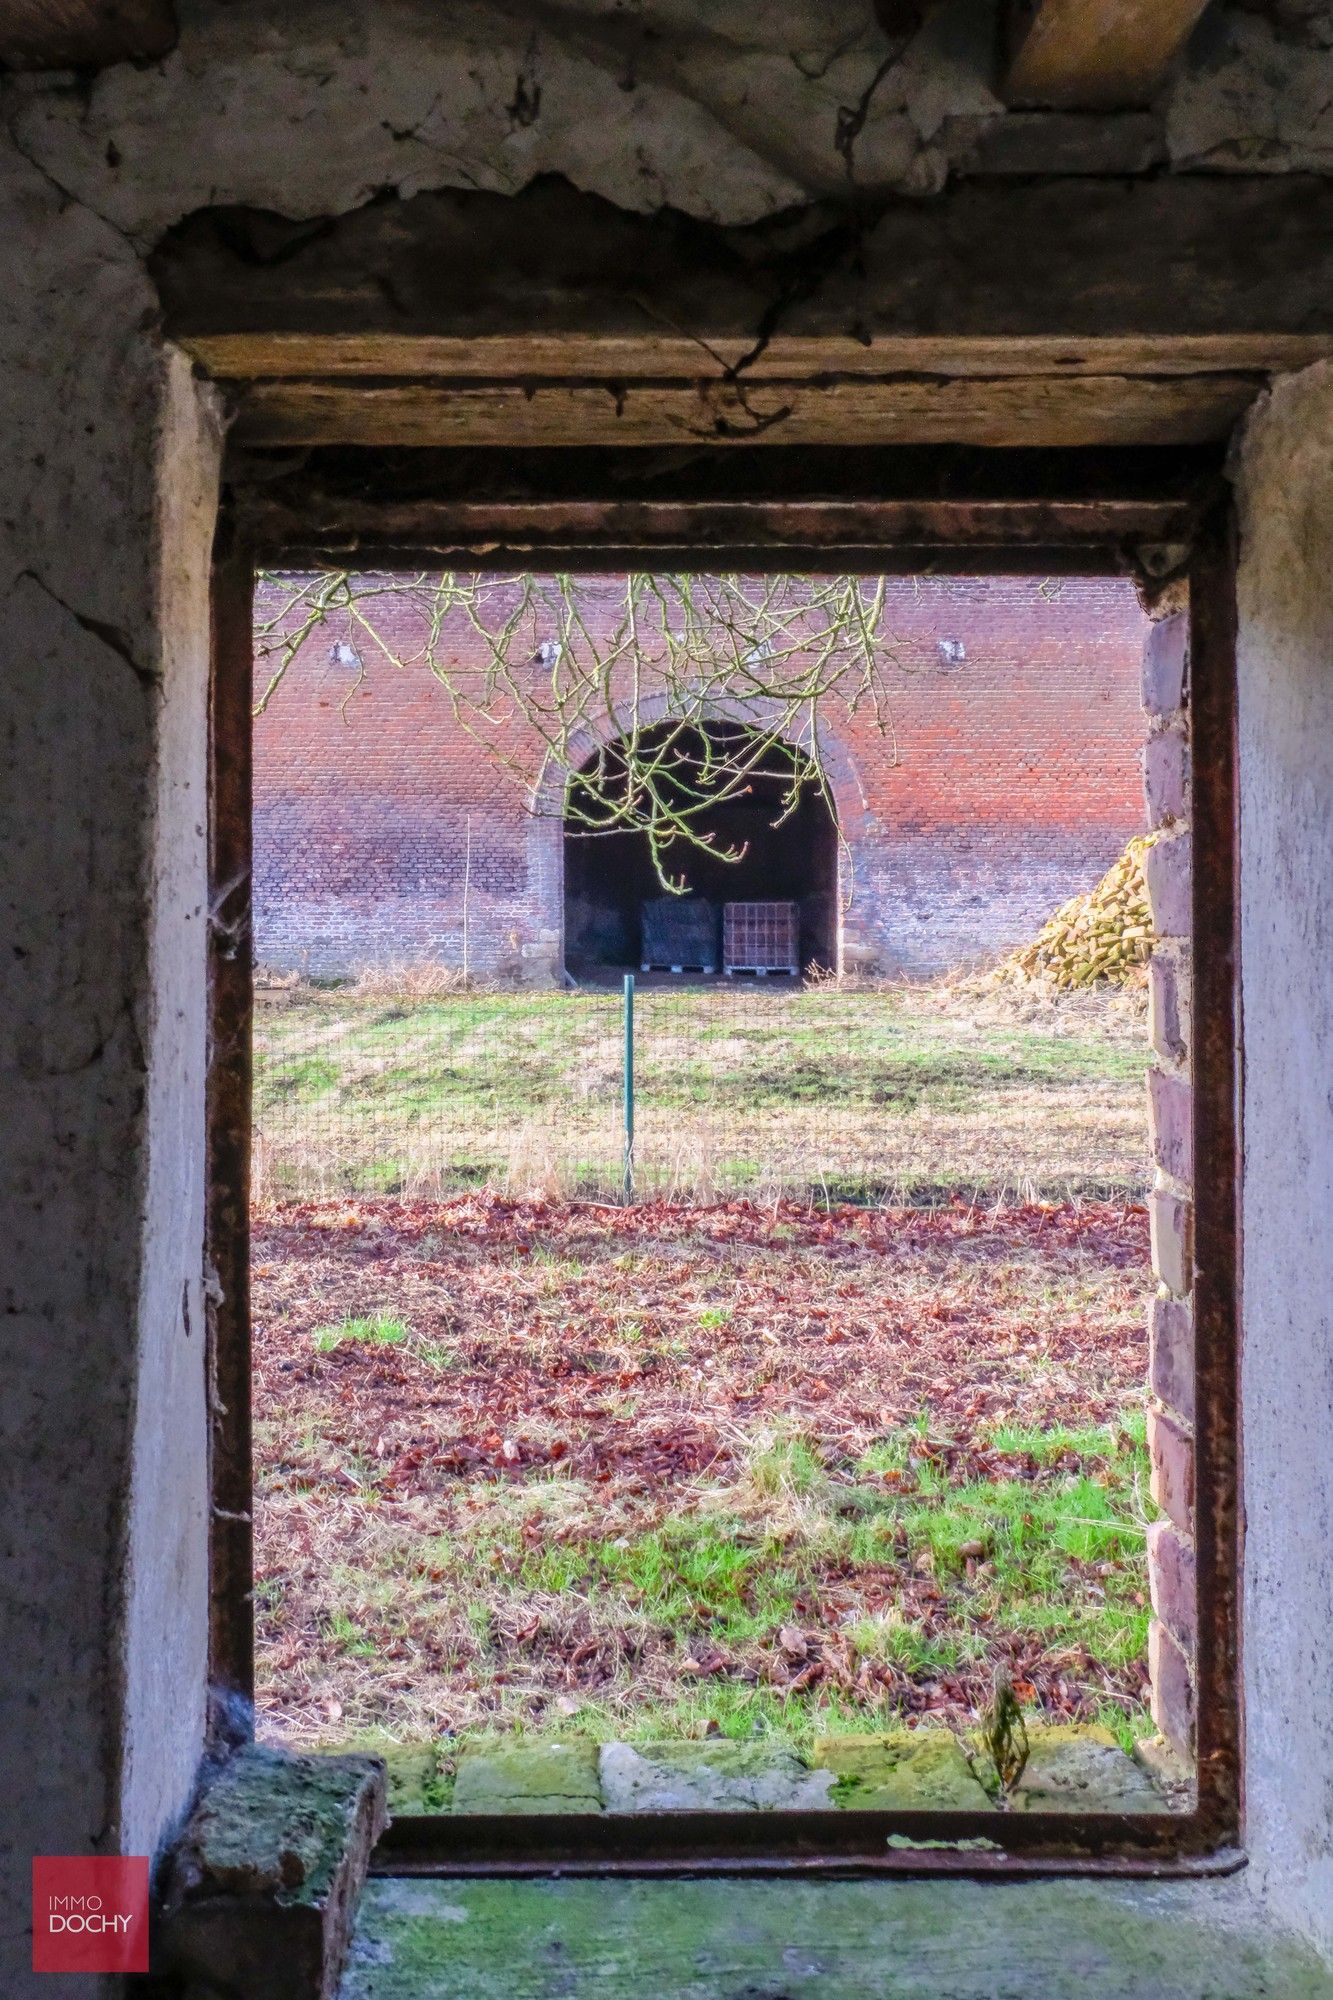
761, 938
678, 932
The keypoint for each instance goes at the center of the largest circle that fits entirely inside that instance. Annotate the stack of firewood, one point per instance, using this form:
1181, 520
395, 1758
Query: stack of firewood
1105, 934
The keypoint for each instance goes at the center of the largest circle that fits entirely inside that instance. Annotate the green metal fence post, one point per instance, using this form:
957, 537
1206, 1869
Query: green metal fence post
627, 1184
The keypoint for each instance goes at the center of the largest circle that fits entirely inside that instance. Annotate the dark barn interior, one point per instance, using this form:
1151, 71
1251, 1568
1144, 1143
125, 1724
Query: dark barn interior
783, 851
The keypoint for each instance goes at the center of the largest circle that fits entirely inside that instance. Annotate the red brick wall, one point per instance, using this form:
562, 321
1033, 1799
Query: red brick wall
1011, 779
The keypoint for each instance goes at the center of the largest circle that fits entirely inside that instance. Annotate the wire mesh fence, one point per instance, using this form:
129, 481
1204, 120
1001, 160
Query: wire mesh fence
758, 1087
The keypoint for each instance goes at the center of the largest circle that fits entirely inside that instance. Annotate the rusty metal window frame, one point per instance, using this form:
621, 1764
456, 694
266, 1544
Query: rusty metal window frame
1162, 514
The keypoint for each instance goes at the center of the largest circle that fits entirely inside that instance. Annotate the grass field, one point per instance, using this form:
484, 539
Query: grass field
896, 1095
763, 1462
656, 1471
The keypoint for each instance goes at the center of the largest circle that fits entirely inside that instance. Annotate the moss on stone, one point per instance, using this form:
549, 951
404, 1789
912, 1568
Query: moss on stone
917, 1940
528, 1778
718, 1774
1171, 1773
418, 1781
419, 1776
904, 1770
273, 1824
1079, 1767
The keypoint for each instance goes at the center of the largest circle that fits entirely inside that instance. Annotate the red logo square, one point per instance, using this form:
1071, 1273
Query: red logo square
89, 1913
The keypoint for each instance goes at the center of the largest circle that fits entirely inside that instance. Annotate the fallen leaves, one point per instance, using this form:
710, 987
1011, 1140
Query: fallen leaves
640, 1351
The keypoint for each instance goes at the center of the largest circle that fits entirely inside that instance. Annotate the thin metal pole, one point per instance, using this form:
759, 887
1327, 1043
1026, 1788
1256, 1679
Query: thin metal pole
467, 887
627, 1182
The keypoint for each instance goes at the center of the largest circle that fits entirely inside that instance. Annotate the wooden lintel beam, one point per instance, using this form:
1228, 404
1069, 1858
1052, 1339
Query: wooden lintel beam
1188, 272
280, 514
535, 357
1013, 410
862, 509
1093, 54
1078, 314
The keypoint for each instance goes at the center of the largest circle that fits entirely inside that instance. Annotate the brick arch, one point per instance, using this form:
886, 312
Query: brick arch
846, 792
548, 794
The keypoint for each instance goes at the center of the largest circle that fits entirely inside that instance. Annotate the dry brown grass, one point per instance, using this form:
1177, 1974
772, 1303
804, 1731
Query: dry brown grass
893, 1094
412, 979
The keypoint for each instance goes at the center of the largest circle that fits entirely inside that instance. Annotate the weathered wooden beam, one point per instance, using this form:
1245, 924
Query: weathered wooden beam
902, 537
1181, 273
536, 355
860, 506
1032, 410
812, 524
1094, 54
84, 34
1068, 313
1075, 313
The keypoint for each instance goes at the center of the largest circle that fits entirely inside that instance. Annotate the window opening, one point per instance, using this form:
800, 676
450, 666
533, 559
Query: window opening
813, 1476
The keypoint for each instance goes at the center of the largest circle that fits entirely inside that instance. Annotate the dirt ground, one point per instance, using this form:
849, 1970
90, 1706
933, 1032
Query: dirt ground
673, 1470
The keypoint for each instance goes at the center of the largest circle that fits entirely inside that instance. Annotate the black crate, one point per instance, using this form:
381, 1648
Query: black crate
677, 932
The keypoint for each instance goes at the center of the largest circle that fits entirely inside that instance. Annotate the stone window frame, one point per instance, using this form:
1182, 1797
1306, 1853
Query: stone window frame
1074, 511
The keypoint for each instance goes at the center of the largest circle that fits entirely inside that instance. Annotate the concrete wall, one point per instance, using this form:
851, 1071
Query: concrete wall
1284, 475
309, 112
111, 485
1007, 780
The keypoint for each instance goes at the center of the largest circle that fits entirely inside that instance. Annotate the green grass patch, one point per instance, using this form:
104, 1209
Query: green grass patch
379, 1330
948, 1571
804, 1090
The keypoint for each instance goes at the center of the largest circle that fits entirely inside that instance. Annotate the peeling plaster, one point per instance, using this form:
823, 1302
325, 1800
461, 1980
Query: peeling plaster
1257, 100
729, 114
103, 545
339, 104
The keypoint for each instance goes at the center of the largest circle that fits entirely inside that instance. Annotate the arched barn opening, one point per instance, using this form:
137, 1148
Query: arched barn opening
785, 854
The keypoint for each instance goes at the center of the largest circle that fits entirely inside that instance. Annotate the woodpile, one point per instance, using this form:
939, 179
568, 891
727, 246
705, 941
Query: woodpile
1105, 934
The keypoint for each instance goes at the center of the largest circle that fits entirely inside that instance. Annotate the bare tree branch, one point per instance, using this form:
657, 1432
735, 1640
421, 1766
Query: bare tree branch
621, 711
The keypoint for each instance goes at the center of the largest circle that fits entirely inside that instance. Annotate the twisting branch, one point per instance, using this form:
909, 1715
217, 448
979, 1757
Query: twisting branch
622, 707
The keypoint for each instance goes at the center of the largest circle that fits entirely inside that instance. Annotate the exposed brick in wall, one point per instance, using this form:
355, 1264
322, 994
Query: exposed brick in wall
1171, 1556
383, 834
1010, 779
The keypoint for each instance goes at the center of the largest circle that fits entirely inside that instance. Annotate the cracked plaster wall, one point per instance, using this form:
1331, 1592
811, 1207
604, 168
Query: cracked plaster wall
109, 490
1284, 474
728, 112
109, 475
